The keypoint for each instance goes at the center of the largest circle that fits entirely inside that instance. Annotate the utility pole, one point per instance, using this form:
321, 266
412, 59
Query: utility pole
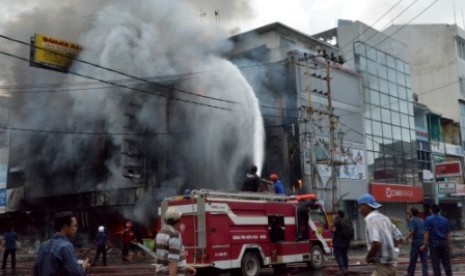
332, 140
308, 138
326, 190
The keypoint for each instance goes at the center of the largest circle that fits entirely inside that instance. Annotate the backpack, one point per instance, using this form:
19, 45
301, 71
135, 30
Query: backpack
347, 230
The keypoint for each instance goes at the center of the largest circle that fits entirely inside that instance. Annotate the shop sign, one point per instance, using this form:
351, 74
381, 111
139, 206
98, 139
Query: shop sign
396, 193
427, 175
449, 169
453, 150
446, 187
459, 190
438, 147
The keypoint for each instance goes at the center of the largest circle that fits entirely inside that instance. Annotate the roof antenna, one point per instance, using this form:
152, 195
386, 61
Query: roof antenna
463, 19
217, 19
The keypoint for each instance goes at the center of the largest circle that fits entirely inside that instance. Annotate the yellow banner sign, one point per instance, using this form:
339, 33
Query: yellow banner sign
53, 52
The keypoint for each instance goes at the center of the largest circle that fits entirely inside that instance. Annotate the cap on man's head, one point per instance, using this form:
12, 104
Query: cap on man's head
172, 214
101, 228
368, 200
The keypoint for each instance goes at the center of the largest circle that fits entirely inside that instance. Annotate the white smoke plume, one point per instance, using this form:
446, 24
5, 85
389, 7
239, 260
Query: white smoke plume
211, 136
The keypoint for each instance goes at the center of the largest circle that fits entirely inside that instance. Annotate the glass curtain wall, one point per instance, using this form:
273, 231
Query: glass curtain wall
389, 120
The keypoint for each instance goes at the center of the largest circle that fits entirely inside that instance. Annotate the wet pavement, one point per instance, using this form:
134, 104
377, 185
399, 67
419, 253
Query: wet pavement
142, 264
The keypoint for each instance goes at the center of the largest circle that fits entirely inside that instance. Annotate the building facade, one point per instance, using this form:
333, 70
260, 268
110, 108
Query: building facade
314, 138
438, 73
389, 126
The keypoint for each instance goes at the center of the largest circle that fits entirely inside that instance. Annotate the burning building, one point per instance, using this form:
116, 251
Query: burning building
138, 116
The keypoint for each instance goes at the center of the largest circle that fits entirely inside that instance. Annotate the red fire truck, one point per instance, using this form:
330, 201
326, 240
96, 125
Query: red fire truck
244, 232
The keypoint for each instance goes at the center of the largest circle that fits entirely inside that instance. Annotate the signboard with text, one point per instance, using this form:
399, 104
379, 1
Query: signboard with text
397, 193
459, 190
52, 53
446, 187
449, 169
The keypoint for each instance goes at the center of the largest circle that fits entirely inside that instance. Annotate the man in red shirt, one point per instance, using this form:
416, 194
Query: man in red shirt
127, 238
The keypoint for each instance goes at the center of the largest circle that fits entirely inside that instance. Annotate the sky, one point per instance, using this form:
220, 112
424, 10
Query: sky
318, 15
309, 16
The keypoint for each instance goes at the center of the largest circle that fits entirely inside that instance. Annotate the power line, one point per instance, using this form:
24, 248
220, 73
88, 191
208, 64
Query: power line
76, 132
127, 87
248, 67
371, 25
117, 72
403, 26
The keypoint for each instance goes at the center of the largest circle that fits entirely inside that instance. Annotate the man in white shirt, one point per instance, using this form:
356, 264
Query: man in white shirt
382, 237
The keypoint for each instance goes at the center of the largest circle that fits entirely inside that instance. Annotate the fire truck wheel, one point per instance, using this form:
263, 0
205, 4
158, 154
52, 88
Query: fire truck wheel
317, 256
250, 264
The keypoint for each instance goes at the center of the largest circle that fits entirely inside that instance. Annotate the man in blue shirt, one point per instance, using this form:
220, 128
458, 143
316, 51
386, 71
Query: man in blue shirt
416, 233
10, 239
277, 185
437, 237
56, 256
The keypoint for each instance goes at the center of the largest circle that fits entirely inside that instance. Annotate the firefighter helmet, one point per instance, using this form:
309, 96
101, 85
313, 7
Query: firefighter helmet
172, 214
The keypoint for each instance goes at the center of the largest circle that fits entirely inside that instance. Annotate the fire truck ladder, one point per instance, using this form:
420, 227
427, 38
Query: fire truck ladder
203, 193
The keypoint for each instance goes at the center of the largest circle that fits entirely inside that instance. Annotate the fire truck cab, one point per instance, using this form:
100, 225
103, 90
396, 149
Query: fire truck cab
244, 231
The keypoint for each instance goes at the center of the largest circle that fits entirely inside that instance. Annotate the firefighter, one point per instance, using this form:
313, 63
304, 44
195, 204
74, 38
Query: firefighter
277, 185
101, 243
171, 255
128, 239
252, 181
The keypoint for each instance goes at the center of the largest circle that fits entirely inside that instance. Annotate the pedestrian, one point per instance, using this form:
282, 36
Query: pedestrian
416, 233
382, 237
101, 243
171, 255
437, 237
252, 181
342, 234
277, 185
57, 256
10, 239
128, 239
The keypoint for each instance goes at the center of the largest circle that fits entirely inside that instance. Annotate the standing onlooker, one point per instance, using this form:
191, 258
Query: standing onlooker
341, 241
277, 185
437, 236
10, 238
57, 256
252, 181
416, 233
101, 243
382, 237
127, 239
171, 259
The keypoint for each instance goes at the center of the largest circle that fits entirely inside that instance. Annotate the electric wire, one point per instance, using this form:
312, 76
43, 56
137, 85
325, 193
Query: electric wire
371, 25
128, 87
117, 72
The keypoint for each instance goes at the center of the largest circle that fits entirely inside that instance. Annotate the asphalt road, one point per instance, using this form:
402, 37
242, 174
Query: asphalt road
142, 265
